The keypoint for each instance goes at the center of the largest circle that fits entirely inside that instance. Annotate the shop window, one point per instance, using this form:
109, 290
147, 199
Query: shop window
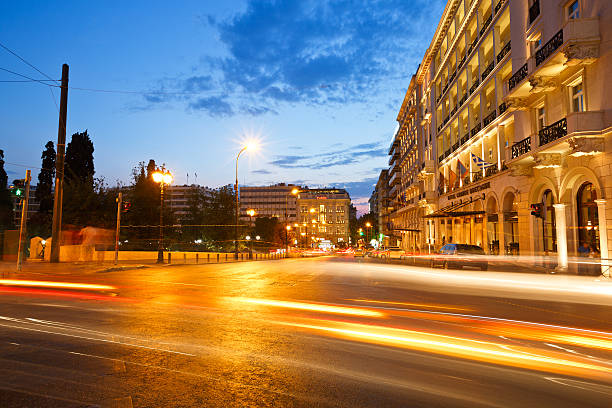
549, 231
577, 95
588, 220
573, 10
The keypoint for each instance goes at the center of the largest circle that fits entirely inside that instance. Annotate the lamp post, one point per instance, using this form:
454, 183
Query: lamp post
250, 146
162, 177
251, 213
294, 191
368, 226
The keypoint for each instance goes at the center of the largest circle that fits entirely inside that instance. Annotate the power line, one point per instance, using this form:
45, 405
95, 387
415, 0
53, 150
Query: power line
28, 80
27, 77
27, 63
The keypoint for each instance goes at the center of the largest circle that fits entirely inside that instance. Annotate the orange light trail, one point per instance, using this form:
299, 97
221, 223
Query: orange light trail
313, 307
56, 285
422, 305
484, 351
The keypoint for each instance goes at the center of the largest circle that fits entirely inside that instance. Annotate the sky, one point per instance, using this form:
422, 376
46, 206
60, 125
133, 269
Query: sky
318, 83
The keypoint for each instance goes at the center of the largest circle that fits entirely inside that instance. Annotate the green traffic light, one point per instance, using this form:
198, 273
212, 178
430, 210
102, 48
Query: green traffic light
18, 192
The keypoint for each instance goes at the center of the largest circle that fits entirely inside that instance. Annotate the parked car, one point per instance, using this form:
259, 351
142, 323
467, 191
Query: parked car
459, 256
391, 253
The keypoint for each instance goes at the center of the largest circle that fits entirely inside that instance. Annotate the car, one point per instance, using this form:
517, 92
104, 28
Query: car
391, 253
458, 256
361, 252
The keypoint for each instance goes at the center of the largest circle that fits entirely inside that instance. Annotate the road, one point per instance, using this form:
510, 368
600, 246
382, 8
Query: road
324, 332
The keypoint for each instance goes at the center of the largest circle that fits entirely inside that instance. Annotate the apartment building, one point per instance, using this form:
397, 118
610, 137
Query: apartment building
278, 200
323, 215
510, 112
177, 198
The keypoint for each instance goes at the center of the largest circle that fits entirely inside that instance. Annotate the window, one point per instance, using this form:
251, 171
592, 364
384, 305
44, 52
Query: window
573, 10
577, 95
541, 117
588, 218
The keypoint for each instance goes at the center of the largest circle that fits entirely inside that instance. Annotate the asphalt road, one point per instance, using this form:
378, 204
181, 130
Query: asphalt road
305, 332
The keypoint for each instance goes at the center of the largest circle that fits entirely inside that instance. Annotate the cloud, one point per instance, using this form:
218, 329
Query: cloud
262, 171
214, 106
312, 52
332, 157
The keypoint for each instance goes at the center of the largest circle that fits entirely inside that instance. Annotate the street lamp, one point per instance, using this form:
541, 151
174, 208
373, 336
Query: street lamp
162, 177
368, 226
250, 145
294, 191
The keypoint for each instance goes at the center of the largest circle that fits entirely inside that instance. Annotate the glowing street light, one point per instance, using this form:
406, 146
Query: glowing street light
162, 177
250, 145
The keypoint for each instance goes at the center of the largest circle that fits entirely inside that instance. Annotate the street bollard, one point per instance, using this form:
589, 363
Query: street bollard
184, 257
217, 258
208, 258
197, 258
169, 258
226, 257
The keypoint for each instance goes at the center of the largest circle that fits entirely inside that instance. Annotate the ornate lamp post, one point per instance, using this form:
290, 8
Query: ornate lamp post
163, 177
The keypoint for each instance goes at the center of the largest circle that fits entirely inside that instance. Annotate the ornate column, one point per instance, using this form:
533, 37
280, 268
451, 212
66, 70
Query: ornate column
603, 237
501, 236
560, 226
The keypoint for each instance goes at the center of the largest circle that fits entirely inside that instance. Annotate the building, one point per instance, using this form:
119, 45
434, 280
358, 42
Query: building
177, 198
323, 214
510, 112
269, 201
33, 205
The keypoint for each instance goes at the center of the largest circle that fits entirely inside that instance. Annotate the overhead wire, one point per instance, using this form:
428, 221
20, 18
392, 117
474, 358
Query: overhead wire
27, 63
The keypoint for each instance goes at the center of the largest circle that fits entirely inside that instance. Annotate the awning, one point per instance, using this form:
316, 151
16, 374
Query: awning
451, 211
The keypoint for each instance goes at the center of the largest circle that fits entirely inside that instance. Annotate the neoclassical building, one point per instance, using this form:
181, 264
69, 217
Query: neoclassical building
512, 147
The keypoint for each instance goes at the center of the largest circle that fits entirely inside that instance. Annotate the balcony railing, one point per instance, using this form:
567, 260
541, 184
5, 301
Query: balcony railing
534, 11
465, 138
477, 176
440, 158
505, 50
472, 45
453, 111
499, 5
486, 23
461, 61
453, 75
474, 86
476, 129
463, 99
549, 48
522, 147
502, 108
455, 146
553, 132
518, 76
488, 70
491, 171
489, 118
447, 153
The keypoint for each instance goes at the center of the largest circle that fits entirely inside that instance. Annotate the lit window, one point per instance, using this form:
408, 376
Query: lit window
541, 117
573, 10
577, 97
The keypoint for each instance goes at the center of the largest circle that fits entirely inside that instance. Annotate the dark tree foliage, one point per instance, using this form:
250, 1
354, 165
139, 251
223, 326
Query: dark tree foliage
44, 187
220, 211
79, 164
6, 203
269, 230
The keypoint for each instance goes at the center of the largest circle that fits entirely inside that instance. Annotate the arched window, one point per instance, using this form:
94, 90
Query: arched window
549, 232
588, 220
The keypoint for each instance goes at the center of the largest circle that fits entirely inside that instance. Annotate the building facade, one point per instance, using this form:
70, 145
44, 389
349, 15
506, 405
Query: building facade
276, 201
177, 198
511, 119
323, 214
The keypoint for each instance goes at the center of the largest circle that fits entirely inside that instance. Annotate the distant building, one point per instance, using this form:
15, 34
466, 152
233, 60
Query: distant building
268, 201
33, 206
323, 215
177, 198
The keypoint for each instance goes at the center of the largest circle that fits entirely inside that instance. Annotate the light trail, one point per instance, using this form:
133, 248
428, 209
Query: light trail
313, 307
423, 305
56, 285
489, 352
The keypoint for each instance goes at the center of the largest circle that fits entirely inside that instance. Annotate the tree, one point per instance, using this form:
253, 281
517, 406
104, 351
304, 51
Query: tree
79, 164
269, 230
6, 202
220, 211
44, 187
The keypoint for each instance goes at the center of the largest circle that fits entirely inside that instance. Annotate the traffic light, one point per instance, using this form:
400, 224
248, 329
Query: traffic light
17, 189
537, 210
126, 206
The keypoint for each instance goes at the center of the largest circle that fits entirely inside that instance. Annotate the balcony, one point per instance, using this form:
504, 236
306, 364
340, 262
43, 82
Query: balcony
474, 86
499, 5
461, 61
491, 170
465, 138
502, 108
553, 132
452, 77
489, 118
549, 48
504, 51
447, 153
518, 76
463, 99
455, 146
522, 147
395, 178
453, 111
488, 70
440, 158
472, 45
476, 129
534, 11
486, 24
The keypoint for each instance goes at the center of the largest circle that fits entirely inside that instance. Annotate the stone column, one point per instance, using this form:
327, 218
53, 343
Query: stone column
472, 231
560, 225
603, 237
500, 234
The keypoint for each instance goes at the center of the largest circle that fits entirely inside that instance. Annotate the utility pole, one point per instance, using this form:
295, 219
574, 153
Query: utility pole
119, 204
24, 218
56, 230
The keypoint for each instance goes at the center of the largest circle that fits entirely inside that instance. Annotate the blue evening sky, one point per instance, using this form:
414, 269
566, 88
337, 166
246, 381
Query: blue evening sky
318, 82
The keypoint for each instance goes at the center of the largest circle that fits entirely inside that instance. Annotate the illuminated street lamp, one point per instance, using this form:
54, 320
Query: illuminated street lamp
162, 177
294, 191
249, 145
368, 226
